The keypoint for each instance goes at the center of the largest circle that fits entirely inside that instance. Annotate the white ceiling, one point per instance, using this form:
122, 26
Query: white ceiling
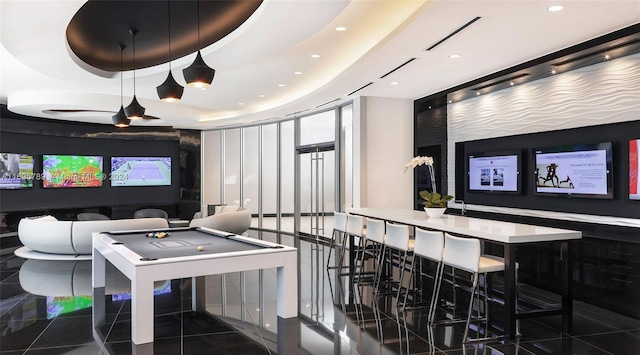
39, 75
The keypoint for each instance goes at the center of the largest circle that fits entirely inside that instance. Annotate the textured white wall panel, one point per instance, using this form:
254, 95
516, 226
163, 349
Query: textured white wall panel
608, 92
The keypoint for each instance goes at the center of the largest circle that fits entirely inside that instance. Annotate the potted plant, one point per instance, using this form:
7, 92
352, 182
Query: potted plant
434, 203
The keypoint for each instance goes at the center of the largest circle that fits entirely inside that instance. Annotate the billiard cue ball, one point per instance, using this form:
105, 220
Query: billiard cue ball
200, 248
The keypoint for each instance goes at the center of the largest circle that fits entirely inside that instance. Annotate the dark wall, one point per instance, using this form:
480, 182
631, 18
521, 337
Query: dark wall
619, 134
34, 136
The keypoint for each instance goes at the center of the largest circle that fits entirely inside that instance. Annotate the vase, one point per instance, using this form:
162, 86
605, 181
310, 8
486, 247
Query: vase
434, 212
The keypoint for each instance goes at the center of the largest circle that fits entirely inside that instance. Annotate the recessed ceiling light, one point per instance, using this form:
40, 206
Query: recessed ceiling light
341, 28
394, 83
555, 8
297, 72
454, 56
260, 95
281, 85
315, 56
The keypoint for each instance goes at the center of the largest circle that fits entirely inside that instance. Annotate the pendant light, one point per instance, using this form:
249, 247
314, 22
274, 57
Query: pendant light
170, 90
198, 74
134, 111
120, 119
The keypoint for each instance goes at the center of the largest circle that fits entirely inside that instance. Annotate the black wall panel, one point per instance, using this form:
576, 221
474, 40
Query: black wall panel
38, 198
35, 136
619, 134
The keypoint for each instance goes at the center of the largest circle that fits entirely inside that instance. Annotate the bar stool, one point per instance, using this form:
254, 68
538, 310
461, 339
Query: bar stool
373, 244
355, 230
398, 239
465, 254
339, 228
428, 245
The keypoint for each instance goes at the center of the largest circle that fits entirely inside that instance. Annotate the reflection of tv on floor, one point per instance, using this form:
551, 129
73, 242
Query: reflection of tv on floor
16, 171
494, 172
634, 182
574, 170
140, 171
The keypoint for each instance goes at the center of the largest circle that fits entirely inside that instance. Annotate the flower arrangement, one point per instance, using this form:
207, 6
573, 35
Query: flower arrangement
431, 199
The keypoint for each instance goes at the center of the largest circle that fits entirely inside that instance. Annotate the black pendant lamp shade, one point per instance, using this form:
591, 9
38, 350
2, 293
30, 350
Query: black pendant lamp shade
170, 90
120, 119
198, 74
134, 111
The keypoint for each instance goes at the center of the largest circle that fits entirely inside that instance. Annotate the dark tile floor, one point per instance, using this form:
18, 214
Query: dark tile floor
46, 308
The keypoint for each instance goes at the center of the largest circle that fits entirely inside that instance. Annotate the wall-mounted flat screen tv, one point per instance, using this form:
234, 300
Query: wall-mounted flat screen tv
581, 170
16, 171
140, 171
71, 171
494, 171
634, 182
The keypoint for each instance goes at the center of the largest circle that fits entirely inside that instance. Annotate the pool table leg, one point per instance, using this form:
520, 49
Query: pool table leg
288, 287
142, 316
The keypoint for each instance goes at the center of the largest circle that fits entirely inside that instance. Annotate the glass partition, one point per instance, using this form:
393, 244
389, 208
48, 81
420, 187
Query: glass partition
269, 201
231, 163
250, 170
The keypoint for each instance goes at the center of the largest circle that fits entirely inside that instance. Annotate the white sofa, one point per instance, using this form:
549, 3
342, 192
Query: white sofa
48, 235
232, 219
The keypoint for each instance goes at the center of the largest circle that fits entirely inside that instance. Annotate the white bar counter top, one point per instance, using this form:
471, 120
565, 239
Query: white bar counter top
498, 231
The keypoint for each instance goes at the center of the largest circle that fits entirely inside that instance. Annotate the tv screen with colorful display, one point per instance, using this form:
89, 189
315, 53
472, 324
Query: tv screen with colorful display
71, 171
494, 172
16, 171
634, 182
140, 171
583, 170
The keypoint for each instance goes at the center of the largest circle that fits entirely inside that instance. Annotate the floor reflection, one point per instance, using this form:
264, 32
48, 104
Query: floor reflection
240, 317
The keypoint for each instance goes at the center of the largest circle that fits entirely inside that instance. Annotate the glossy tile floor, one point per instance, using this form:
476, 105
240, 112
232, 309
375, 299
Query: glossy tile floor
45, 308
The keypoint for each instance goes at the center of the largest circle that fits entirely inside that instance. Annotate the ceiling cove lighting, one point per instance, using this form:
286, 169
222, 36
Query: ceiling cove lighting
120, 119
170, 90
198, 74
134, 111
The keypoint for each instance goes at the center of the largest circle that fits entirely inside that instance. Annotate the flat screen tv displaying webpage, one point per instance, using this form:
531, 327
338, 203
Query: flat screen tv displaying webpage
634, 182
499, 172
140, 171
16, 171
583, 170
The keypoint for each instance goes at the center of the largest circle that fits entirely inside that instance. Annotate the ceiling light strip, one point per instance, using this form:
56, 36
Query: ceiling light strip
454, 33
598, 52
354, 91
328, 102
509, 79
295, 113
398, 67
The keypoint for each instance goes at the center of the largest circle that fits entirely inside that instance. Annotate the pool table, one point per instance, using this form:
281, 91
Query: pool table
188, 252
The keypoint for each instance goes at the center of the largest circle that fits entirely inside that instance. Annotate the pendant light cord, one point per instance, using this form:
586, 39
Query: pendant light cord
121, 92
133, 34
169, 29
198, 11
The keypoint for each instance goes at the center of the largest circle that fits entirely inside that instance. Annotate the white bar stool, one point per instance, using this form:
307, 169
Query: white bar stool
374, 244
465, 254
428, 245
355, 229
339, 228
398, 239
